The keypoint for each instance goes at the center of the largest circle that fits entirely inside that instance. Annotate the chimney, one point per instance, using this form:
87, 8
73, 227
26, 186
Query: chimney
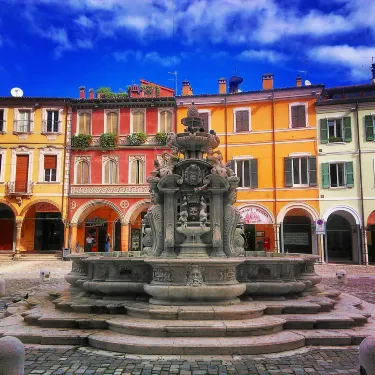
373, 73
267, 81
82, 92
91, 94
298, 81
222, 86
186, 88
134, 91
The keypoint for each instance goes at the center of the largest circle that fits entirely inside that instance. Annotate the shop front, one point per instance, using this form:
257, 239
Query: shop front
258, 228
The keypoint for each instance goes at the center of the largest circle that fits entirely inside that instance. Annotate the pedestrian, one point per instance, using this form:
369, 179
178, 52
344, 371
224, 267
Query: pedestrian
107, 246
89, 241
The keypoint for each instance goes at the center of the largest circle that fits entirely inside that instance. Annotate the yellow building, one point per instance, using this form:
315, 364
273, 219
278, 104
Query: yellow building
33, 178
270, 137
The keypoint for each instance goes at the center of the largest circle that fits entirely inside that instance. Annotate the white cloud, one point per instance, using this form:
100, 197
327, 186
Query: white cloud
84, 22
84, 43
153, 57
356, 60
268, 55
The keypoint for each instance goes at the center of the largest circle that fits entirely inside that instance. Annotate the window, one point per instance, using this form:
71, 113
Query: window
370, 126
242, 119
52, 123
111, 172
84, 125
298, 116
50, 167
165, 121
205, 116
338, 174
24, 121
137, 172
138, 121
300, 171
335, 130
112, 125
82, 173
2, 120
247, 171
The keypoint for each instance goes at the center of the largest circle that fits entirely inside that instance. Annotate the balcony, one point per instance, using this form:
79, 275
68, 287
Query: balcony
123, 141
110, 190
15, 188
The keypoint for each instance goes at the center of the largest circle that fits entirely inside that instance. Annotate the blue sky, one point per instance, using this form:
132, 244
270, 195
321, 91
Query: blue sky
51, 47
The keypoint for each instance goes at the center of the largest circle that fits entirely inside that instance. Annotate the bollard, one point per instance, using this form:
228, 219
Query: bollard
12, 356
367, 356
342, 277
2, 286
44, 276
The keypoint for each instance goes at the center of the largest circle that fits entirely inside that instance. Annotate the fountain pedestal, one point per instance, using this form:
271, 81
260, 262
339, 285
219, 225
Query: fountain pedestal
193, 246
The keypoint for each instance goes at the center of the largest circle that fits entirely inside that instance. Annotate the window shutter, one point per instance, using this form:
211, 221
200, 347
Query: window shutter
369, 123
114, 172
107, 166
288, 172
50, 161
133, 172
323, 130
141, 172
242, 121
254, 173
85, 172
349, 174
312, 171
112, 122
325, 175
204, 117
347, 129
301, 116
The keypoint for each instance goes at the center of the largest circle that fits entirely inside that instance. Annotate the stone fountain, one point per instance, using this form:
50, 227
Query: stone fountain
193, 290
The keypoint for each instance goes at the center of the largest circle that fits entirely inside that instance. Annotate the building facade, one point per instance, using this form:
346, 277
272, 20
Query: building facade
109, 193
270, 138
347, 167
33, 174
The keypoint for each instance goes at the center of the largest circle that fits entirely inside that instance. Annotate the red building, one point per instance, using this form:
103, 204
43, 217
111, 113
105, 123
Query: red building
110, 159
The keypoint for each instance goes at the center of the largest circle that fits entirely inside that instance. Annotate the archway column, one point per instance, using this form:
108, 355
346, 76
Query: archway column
73, 238
17, 254
66, 234
125, 228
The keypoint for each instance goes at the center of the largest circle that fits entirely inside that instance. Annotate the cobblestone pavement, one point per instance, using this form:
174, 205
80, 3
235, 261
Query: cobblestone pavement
84, 361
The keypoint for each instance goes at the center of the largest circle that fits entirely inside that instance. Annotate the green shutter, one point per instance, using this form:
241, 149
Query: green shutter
288, 171
254, 173
347, 129
325, 175
349, 174
312, 170
369, 123
323, 130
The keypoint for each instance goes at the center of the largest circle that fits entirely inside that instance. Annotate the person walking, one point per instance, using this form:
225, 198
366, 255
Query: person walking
107, 246
89, 241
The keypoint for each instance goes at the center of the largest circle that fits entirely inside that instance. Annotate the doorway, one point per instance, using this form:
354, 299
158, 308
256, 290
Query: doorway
49, 231
99, 235
7, 228
249, 236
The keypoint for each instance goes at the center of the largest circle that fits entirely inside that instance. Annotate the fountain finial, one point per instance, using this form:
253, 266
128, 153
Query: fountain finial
192, 111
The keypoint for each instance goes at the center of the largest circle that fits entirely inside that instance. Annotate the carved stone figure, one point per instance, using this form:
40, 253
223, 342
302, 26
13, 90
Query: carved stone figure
194, 275
162, 275
155, 220
193, 175
183, 217
203, 213
218, 166
232, 242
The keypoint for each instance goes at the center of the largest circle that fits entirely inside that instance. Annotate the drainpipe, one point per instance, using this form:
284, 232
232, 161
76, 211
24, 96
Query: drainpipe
67, 150
278, 234
226, 128
363, 258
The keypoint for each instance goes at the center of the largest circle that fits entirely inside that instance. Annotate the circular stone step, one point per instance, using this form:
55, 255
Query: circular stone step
191, 328
276, 342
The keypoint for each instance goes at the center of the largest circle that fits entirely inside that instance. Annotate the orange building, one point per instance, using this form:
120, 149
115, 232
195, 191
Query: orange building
270, 137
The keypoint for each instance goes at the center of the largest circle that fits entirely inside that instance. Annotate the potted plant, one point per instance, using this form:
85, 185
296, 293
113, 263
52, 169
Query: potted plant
335, 139
81, 141
161, 138
136, 139
109, 141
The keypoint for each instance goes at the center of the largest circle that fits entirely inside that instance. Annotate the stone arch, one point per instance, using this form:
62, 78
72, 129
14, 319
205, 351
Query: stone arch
264, 208
27, 207
348, 209
10, 206
93, 205
304, 206
135, 209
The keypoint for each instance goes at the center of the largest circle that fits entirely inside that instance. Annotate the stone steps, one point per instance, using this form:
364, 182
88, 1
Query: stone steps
276, 342
189, 328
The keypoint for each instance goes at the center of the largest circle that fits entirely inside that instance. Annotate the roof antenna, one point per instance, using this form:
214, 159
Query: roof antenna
175, 79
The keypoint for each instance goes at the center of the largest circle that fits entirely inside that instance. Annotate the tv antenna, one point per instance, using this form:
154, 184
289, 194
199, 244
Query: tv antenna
16, 92
175, 79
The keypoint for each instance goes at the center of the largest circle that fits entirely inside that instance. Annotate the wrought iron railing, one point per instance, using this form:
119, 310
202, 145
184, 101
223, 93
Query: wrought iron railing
19, 188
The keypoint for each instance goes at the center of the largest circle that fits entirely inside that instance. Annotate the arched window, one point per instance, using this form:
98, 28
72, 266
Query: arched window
83, 173
84, 123
138, 121
111, 172
137, 171
165, 125
112, 123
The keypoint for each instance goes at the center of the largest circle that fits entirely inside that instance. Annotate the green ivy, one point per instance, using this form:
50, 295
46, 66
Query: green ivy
108, 93
109, 141
136, 139
81, 141
335, 139
161, 138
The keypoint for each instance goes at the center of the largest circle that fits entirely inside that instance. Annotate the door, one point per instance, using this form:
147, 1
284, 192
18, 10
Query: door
22, 167
249, 234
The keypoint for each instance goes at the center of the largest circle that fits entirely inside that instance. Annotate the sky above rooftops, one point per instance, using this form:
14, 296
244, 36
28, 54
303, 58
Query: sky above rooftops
51, 47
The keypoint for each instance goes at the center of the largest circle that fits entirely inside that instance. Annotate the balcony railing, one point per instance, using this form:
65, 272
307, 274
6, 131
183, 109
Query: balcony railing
22, 126
19, 188
110, 190
50, 126
123, 141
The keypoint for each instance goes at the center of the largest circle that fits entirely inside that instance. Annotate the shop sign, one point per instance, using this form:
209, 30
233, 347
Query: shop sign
320, 227
255, 215
95, 222
45, 207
